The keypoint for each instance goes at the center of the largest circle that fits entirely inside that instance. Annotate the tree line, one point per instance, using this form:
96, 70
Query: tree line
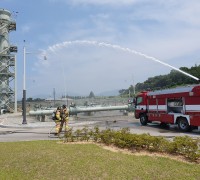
173, 79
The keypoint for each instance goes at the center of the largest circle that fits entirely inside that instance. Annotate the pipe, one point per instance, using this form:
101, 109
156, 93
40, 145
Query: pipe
41, 112
76, 110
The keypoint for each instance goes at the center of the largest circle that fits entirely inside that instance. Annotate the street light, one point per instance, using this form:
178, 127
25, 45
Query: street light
24, 84
24, 89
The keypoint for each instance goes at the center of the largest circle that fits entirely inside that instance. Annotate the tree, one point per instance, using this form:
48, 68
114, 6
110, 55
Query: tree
173, 79
91, 95
29, 99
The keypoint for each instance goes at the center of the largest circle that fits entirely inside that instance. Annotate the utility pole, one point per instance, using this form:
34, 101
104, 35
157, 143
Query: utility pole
133, 86
24, 83
24, 87
54, 97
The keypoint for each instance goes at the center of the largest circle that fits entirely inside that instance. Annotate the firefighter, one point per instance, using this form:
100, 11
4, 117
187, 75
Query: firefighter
58, 120
64, 117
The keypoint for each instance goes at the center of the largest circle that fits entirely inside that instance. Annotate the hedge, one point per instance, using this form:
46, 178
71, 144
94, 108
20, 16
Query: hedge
181, 145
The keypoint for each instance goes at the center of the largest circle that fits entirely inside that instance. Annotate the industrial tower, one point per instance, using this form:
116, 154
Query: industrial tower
7, 62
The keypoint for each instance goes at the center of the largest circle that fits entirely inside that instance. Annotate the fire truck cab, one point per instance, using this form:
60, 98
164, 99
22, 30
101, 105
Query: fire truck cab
171, 106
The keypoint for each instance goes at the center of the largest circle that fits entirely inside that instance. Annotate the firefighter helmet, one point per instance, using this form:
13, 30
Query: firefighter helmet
58, 108
64, 106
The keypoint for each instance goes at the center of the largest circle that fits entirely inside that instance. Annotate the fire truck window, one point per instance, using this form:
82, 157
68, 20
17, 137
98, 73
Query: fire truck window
139, 100
175, 105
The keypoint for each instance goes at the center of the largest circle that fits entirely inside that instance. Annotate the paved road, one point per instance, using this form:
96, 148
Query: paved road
12, 129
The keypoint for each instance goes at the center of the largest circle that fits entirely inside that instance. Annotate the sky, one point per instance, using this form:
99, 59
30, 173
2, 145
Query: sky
92, 45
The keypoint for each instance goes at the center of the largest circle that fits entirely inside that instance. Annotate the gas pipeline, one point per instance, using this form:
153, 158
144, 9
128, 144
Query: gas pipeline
42, 113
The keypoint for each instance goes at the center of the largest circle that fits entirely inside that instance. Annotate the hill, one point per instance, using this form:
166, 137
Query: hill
173, 79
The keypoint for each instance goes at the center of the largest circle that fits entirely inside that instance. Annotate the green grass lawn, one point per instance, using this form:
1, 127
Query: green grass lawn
53, 160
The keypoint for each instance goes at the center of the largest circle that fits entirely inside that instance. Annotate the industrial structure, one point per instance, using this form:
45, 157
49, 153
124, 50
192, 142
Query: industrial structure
7, 63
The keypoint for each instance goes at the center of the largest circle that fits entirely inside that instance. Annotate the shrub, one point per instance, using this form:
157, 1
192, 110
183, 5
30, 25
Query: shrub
184, 146
85, 134
68, 136
96, 134
106, 136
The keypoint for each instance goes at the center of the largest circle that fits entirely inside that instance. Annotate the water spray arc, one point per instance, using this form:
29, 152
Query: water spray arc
103, 44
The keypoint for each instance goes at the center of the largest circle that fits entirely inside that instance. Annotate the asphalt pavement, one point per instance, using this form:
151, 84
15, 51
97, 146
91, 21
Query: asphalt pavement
12, 129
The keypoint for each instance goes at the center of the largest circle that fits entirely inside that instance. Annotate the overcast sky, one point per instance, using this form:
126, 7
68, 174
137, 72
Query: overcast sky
90, 45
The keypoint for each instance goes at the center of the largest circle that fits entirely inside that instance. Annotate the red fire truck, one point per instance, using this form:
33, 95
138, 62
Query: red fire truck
171, 106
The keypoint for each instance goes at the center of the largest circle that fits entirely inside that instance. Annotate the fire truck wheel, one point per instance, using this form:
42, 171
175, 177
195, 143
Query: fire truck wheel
143, 119
183, 125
